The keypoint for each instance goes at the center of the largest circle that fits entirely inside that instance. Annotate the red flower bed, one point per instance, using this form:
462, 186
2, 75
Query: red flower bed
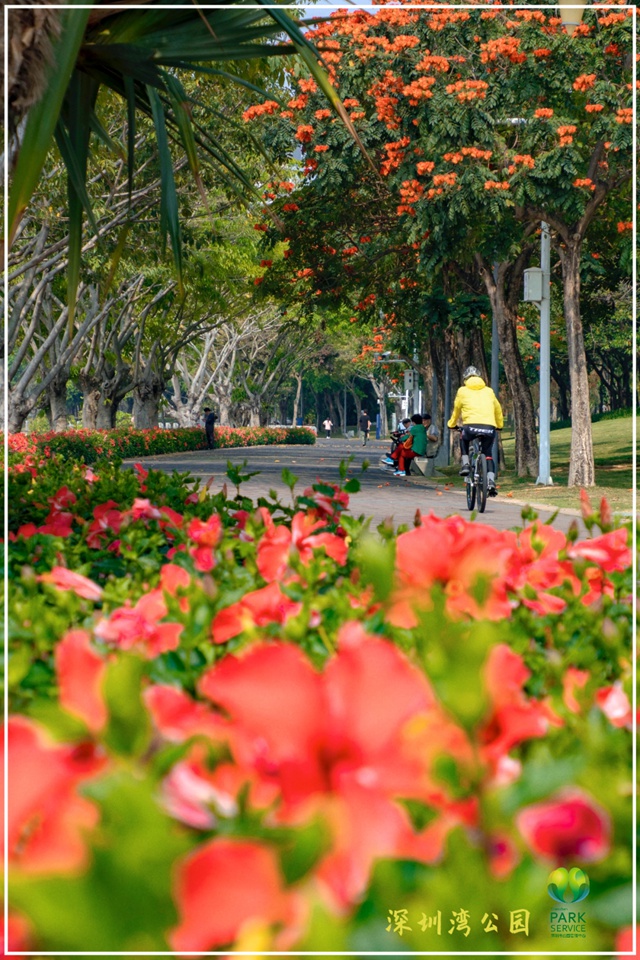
252, 715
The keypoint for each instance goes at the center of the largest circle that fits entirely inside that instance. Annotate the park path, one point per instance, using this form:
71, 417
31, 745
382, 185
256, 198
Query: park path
381, 495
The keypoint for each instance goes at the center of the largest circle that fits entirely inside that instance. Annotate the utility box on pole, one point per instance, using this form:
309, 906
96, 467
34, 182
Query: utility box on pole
409, 381
533, 284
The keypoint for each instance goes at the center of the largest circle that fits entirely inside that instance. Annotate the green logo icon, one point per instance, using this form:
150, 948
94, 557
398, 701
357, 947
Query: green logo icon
568, 886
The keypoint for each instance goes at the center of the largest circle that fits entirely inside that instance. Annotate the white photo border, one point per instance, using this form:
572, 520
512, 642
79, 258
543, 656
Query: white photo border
314, 953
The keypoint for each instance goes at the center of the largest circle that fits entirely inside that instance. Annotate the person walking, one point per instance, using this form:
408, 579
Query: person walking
327, 427
209, 421
365, 426
479, 409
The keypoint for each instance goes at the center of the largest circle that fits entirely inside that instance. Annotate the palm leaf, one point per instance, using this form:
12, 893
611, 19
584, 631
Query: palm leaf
135, 53
169, 216
43, 117
74, 148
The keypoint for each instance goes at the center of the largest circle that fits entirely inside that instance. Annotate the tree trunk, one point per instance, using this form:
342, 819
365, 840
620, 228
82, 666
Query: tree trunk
146, 400
524, 416
341, 401
254, 416
106, 413
19, 408
358, 406
296, 399
581, 466
560, 377
90, 401
224, 403
504, 292
334, 408
57, 396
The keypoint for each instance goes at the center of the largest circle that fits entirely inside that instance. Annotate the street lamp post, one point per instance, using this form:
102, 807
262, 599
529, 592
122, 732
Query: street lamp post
544, 469
495, 370
537, 289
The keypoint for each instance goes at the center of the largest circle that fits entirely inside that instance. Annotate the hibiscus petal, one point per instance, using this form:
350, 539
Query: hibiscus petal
272, 695
372, 690
80, 672
222, 887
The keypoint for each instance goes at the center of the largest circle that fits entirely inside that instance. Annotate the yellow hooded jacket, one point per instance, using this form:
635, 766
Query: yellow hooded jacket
476, 403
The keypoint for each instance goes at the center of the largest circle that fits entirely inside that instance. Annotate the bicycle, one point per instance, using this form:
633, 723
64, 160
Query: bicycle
476, 481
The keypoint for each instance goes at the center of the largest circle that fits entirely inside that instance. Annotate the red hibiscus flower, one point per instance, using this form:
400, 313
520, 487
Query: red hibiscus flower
138, 627
327, 505
571, 826
205, 536
177, 717
459, 556
58, 524
348, 743
47, 818
19, 937
81, 672
63, 498
256, 609
304, 537
220, 886
143, 509
65, 579
26, 531
615, 705
610, 551
107, 519
195, 795
535, 564
514, 717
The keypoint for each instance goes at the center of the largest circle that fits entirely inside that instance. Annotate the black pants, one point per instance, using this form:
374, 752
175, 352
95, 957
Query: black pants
210, 439
485, 435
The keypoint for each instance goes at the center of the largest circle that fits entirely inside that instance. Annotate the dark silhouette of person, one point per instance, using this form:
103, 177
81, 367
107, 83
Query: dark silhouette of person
209, 420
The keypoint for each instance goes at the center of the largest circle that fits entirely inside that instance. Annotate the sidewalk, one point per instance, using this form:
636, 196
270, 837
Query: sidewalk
381, 496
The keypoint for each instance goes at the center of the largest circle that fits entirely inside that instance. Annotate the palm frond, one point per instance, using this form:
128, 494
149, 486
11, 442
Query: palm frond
136, 53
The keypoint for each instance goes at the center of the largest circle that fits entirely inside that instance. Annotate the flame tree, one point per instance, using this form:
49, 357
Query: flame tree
482, 124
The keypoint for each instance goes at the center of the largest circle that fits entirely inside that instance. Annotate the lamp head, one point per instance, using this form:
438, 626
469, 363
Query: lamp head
571, 14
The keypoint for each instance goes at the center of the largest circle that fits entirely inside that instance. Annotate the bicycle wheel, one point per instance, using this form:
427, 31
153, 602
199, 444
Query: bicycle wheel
471, 487
481, 470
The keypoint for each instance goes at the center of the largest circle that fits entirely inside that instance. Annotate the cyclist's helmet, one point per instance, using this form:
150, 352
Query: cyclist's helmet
470, 372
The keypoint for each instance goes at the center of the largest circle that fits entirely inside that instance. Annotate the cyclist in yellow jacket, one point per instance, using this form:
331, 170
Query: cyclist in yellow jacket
478, 407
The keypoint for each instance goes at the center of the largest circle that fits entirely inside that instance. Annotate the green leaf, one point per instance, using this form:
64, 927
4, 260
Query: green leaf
375, 560
289, 478
130, 95
129, 726
101, 133
169, 219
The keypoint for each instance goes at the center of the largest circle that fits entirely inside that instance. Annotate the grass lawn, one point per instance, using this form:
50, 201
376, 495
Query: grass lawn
612, 448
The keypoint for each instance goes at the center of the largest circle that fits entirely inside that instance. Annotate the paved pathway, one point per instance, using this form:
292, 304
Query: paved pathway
382, 495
